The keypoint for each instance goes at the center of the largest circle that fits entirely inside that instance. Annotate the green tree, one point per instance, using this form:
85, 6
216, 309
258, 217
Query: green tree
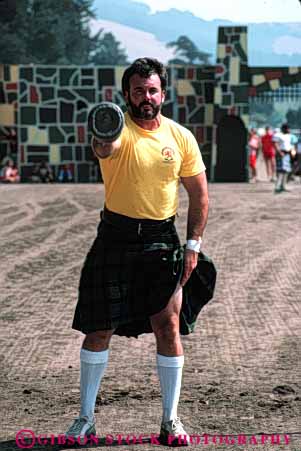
187, 52
48, 32
293, 118
108, 51
78, 49
264, 113
14, 35
61, 33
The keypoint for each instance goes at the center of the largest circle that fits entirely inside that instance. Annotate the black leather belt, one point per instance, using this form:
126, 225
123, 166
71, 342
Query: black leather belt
133, 225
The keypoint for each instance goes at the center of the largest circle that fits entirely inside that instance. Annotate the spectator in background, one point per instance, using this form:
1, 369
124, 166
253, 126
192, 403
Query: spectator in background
284, 151
35, 175
294, 157
10, 173
298, 150
65, 174
268, 151
46, 173
254, 144
9, 134
95, 173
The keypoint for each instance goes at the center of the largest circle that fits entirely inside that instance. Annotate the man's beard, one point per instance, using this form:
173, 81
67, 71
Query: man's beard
140, 113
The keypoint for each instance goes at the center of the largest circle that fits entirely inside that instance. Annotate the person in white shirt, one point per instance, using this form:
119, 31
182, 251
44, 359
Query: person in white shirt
284, 149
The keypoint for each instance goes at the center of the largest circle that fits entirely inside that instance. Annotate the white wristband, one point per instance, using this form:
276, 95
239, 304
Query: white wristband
194, 245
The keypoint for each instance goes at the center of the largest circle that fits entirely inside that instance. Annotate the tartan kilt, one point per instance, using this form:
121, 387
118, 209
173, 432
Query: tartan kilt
127, 277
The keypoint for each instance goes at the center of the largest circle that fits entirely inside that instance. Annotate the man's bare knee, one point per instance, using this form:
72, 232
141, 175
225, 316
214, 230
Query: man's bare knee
168, 338
98, 341
167, 330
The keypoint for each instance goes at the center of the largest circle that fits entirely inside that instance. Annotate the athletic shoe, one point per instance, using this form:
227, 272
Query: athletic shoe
81, 428
172, 433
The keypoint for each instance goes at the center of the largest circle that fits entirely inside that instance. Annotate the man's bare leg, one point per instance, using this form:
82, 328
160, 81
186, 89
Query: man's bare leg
166, 327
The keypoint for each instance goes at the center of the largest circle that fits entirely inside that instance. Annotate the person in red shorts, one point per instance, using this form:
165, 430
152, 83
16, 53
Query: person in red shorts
268, 151
254, 144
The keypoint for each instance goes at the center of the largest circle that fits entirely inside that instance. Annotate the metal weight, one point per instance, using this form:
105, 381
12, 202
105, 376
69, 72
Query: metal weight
106, 121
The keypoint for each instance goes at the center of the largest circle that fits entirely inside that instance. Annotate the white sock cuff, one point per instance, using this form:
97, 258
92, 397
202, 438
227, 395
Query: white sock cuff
94, 356
175, 362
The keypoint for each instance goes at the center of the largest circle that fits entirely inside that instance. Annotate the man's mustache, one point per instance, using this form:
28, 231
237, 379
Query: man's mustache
144, 103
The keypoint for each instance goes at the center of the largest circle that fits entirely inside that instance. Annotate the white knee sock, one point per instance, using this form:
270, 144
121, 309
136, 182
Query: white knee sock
92, 368
170, 375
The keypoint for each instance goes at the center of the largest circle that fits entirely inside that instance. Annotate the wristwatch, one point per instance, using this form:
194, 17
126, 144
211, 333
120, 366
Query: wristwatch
194, 245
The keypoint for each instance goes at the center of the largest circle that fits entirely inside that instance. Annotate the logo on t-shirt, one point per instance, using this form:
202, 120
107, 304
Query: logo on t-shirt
168, 154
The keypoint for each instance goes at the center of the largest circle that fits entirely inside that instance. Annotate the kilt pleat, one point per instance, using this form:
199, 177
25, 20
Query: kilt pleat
127, 277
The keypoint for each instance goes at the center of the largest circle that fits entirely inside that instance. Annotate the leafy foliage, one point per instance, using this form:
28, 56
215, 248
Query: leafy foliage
187, 52
108, 51
54, 32
293, 118
263, 114
13, 49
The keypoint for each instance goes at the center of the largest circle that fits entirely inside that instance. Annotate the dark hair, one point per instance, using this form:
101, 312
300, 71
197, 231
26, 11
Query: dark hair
145, 67
285, 128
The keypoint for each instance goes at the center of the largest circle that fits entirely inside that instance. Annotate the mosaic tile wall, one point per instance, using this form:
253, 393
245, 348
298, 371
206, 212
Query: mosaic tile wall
231, 80
194, 92
9, 76
232, 74
236, 82
53, 105
263, 79
48, 105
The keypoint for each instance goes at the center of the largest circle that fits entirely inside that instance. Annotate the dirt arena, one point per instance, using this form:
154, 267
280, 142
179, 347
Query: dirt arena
242, 375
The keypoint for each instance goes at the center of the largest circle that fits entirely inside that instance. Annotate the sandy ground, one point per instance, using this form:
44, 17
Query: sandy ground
242, 373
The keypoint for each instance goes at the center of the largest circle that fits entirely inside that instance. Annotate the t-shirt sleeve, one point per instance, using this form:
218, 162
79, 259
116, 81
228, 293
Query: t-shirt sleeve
192, 161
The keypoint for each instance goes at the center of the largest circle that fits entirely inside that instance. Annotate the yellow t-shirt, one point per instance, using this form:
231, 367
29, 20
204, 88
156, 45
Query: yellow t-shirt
142, 178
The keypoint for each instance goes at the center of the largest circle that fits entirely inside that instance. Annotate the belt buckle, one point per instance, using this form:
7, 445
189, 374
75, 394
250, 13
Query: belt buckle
139, 228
